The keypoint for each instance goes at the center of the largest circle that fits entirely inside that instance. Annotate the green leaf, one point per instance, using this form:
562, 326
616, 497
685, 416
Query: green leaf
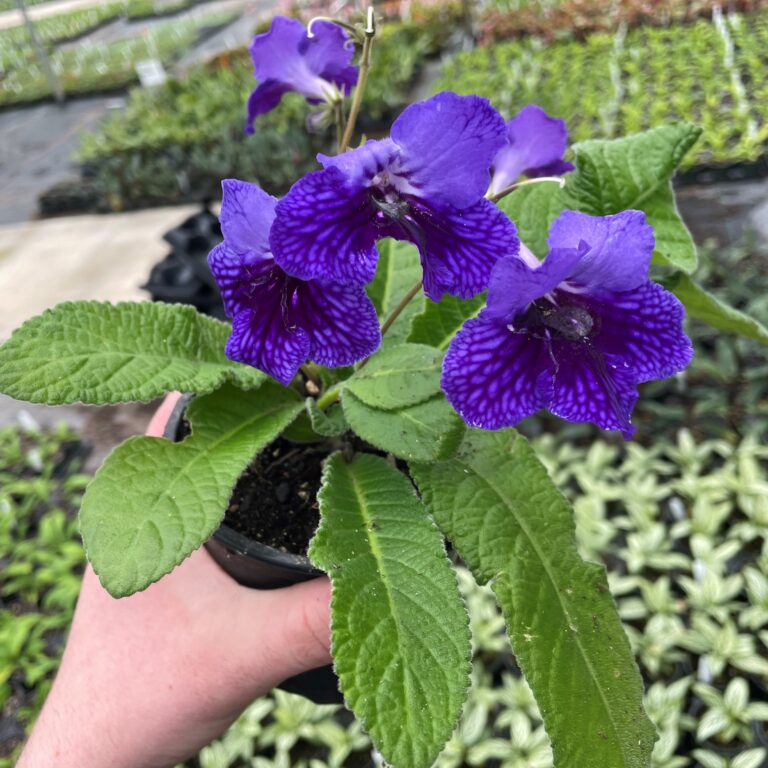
399, 269
674, 243
634, 172
400, 632
398, 376
705, 307
97, 353
439, 322
533, 208
614, 175
329, 422
423, 432
153, 501
509, 523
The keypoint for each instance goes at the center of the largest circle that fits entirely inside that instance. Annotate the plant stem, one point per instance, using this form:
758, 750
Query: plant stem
365, 65
404, 302
329, 398
512, 187
338, 118
394, 314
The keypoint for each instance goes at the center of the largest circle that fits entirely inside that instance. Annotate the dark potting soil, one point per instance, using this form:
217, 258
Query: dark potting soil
275, 499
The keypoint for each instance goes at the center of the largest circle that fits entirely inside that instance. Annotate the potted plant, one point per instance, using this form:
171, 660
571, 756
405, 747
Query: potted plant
390, 416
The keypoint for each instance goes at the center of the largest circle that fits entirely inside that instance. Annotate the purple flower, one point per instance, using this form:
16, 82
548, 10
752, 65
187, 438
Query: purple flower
574, 334
425, 184
535, 147
286, 59
278, 321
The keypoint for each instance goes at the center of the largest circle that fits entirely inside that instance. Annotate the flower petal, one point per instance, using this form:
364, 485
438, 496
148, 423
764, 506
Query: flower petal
620, 248
493, 377
329, 53
281, 55
325, 229
458, 247
447, 145
588, 385
514, 283
644, 329
341, 321
236, 273
264, 99
246, 216
361, 165
261, 339
535, 146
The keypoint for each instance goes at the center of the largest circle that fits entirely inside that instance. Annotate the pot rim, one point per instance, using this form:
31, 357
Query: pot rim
228, 536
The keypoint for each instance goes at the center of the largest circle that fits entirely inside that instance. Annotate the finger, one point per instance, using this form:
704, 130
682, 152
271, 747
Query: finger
157, 423
297, 635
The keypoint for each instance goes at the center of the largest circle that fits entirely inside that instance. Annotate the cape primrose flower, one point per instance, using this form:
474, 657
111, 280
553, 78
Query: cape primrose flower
278, 321
425, 184
287, 59
574, 334
535, 147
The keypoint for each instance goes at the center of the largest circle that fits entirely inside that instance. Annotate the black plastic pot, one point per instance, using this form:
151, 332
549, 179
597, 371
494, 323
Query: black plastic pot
183, 276
258, 566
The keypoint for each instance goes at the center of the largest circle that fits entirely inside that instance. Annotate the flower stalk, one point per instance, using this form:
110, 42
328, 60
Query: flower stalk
502, 193
404, 302
365, 65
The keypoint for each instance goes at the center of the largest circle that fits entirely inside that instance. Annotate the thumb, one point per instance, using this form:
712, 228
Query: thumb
296, 634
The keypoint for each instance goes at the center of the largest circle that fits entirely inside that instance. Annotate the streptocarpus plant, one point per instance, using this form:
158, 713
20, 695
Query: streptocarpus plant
330, 332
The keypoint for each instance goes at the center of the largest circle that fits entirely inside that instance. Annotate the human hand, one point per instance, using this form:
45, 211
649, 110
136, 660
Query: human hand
148, 680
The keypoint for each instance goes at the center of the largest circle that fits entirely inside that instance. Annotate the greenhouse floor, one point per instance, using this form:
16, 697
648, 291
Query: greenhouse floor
36, 147
104, 257
96, 257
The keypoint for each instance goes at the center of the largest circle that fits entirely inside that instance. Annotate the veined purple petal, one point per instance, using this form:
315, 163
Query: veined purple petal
493, 377
591, 386
264, 99
247, 213
447, 145
535, 147
458, 247
620, 249
325, 229
261, 338
643, 330
514, 283
236, 273
341, 321
361, 166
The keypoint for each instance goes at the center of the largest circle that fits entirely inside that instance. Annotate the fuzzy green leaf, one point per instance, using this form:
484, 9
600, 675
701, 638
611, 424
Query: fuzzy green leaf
398, 377
423, 432
705, 307
439, 322
674, 243
634, 172
153, 502
98, 353
499, 508
398, 270
533, 208
400, 631
329, 422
